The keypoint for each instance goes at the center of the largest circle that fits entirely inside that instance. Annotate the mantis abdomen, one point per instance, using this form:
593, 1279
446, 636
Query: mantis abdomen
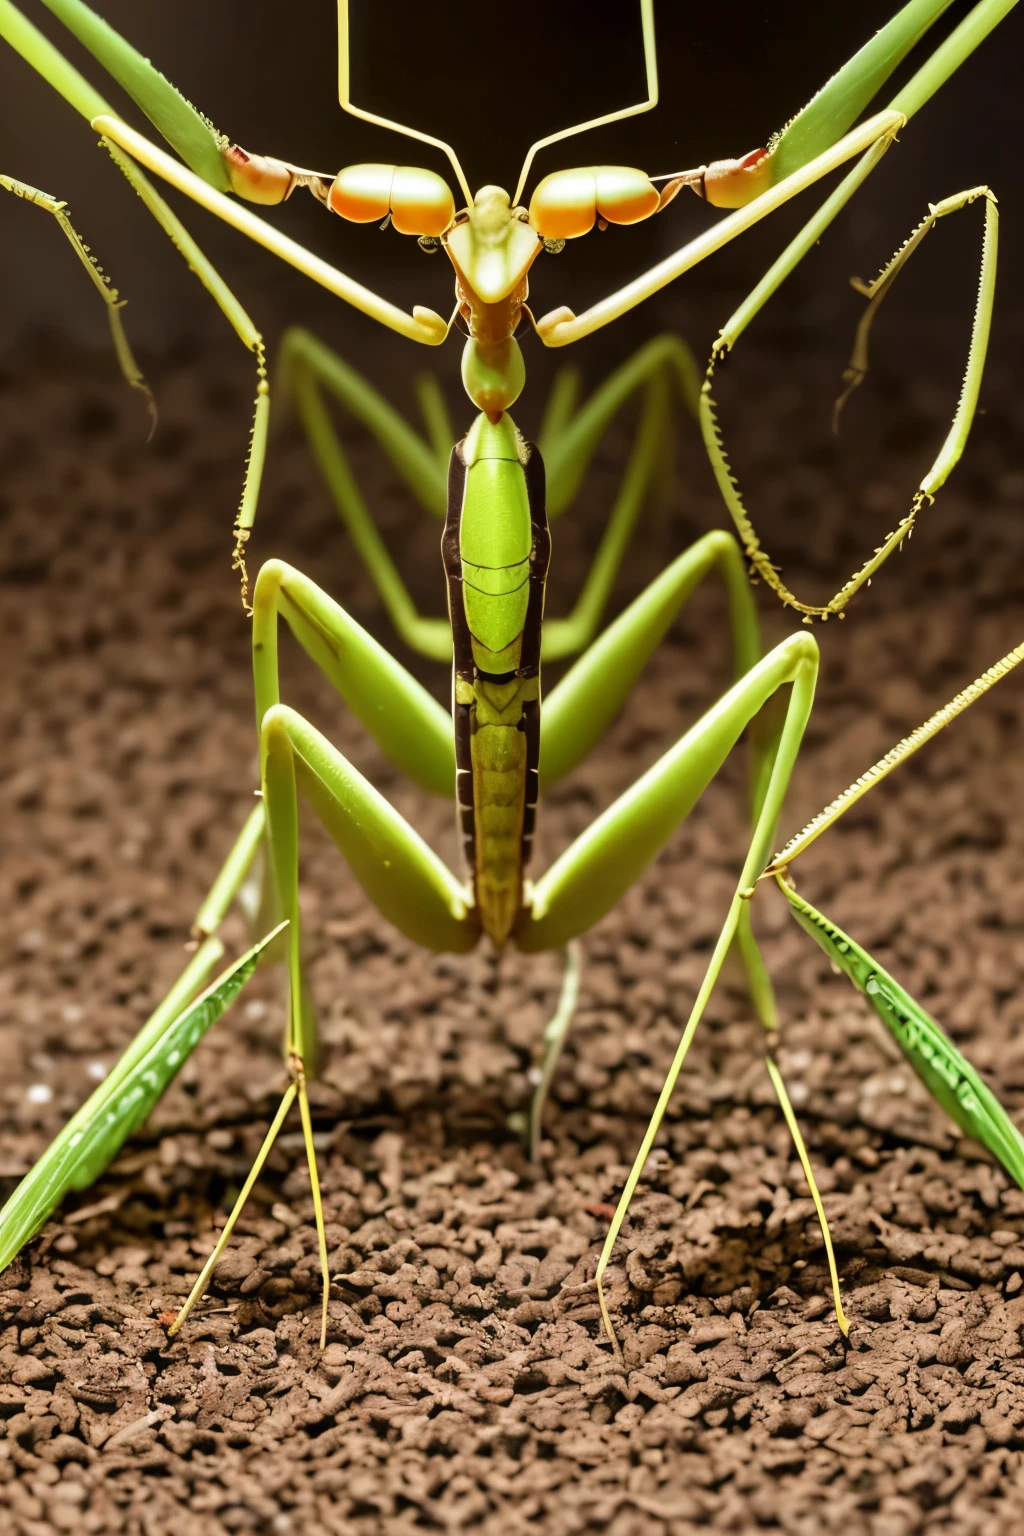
496, 548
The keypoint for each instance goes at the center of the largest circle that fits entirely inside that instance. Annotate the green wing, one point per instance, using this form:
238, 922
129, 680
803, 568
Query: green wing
947, 1074
92, 1138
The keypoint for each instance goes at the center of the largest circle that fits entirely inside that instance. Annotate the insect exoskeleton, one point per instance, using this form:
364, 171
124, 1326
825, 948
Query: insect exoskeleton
419, 202
734, 183
492, 249
568, 203
258, 178
493, 375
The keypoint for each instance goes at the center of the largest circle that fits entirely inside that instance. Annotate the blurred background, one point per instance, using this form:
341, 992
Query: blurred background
491, 78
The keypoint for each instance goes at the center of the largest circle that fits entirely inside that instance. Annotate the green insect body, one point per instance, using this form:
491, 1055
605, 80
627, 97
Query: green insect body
496, 549
945, 1071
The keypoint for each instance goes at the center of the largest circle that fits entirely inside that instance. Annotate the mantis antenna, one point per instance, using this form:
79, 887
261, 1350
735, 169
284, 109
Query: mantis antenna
348, 105
651, 63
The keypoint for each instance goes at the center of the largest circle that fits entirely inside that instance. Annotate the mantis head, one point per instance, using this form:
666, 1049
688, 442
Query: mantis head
493, 239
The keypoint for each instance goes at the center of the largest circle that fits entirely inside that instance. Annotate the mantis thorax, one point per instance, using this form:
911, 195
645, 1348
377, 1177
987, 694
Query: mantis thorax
492, 246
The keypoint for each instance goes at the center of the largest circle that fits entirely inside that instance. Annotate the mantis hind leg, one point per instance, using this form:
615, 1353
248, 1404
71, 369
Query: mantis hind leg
586, 700
581, 706
416, 734
406, 881
589, 878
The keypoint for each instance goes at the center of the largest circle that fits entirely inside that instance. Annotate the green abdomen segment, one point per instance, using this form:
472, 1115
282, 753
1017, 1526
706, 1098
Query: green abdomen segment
496, 548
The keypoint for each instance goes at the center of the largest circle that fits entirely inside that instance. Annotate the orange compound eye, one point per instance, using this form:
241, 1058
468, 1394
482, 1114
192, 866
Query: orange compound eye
419, 202
567, 203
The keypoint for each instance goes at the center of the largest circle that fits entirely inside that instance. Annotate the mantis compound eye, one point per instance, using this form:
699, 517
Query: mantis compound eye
419, 202
568, 203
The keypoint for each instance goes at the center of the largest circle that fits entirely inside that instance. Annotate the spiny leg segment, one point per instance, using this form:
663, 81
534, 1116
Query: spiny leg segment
811, 145
108, 293
956, 439
244, 329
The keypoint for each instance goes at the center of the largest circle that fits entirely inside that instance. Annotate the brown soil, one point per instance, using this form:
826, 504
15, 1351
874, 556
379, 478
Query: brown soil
466, 1384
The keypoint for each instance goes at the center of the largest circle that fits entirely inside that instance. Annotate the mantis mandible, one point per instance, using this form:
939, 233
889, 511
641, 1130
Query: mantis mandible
494, 494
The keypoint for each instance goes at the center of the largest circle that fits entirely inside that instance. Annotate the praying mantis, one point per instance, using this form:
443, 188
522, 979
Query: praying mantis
495, 493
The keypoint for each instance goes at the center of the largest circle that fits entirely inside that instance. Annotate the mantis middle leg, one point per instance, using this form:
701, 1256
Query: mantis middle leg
661, 369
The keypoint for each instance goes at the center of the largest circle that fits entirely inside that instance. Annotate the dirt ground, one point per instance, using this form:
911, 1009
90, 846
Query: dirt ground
466, 1384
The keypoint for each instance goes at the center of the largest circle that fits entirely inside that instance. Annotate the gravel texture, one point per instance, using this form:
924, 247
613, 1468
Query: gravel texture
466, 1384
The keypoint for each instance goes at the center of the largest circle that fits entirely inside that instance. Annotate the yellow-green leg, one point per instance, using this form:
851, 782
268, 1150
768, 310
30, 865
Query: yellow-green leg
405, 880
107, 292
956, 439
581, 707
569, 436
407, 722
588, 879
805, 1162
662, 371
308, 369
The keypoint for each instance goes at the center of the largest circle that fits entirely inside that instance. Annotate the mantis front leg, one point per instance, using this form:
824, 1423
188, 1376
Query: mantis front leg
206, 182
816, 141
